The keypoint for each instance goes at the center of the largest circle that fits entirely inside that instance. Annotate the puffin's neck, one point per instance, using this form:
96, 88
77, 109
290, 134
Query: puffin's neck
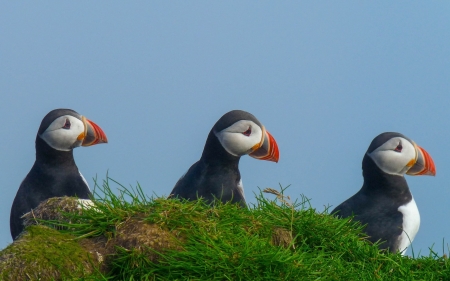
215, 154
46, 155
378, 182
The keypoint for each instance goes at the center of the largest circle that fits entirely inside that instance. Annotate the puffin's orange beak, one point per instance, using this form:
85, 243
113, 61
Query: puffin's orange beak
267, 149
423, 164
92, 134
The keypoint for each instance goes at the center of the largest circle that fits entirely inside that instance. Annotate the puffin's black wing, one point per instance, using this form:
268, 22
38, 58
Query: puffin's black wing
41, 184
187, 186
210, 182
380, 215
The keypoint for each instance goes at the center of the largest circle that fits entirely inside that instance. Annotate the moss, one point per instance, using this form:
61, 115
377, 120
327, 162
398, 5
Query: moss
43, 253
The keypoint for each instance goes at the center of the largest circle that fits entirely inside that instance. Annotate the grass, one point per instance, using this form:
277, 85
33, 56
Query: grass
142, 238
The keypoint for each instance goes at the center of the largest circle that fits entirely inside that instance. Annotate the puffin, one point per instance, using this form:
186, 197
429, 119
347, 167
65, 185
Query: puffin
54, 173
385, 204
216, 175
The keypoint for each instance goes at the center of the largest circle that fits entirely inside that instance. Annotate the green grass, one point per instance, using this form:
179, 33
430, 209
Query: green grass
142, 238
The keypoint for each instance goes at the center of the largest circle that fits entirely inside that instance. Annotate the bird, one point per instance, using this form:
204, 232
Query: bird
54, 172
384, 203
216, 175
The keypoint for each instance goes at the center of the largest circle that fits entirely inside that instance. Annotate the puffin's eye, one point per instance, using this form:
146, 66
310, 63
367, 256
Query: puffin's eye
67, 124
399, 148
248, 132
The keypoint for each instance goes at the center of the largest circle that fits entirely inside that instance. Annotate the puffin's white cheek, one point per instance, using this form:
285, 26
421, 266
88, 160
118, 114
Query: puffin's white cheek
64, 139
236, 143
391, 162
60, 139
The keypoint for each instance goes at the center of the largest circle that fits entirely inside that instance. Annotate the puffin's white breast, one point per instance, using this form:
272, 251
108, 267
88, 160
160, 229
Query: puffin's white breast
84, 180
411, 223
240, 187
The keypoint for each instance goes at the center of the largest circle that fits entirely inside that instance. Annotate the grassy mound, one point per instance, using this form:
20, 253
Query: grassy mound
132, 237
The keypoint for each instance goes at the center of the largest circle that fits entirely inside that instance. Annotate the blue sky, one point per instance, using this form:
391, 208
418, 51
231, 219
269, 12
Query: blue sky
324, 78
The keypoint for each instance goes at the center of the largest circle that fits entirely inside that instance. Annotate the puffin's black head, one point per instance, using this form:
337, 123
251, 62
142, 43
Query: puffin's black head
396, 154
240, 133
65, 129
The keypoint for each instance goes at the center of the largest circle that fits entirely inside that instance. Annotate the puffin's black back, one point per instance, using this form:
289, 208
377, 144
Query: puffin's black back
376, 203
216, 174
54, 174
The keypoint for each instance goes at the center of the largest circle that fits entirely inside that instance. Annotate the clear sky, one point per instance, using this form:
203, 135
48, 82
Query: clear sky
324, 78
